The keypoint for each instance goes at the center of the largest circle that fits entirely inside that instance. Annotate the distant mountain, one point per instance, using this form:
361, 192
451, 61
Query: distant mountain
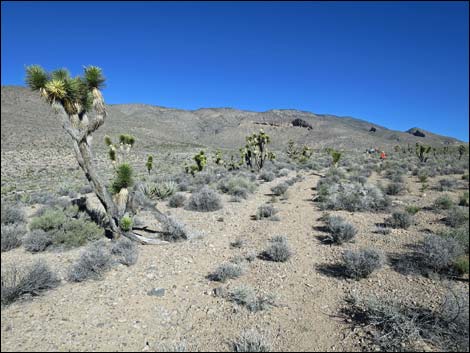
26, 119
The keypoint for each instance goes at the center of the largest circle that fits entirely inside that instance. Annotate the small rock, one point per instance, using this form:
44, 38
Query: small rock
157, 292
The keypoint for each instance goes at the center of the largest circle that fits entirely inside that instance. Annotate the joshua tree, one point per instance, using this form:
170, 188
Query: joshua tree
149, 164
73, 99
218, 158
336, 155
422, 151
461, 149
255, 153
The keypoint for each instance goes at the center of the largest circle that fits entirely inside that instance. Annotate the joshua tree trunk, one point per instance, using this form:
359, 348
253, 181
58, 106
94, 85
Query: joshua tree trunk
81, 136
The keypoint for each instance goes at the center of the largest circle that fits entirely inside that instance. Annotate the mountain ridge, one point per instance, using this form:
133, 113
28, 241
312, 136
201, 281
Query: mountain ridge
221, 127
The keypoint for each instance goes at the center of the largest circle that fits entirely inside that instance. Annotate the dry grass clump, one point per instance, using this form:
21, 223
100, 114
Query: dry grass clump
33, 280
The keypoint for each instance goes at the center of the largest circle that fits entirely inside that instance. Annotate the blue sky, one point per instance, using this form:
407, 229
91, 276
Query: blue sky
400, 65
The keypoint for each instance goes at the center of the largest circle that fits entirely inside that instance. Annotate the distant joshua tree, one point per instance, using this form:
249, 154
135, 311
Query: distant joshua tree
73, 99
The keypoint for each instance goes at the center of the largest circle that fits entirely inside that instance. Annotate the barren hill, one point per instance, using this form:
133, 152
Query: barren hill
25, 118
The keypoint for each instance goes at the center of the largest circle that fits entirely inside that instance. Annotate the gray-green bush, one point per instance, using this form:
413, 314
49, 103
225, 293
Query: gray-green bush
361, 263
32, 280
204, 200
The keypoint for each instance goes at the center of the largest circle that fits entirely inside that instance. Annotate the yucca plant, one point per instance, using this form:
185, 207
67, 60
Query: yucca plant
149, 164
72, 99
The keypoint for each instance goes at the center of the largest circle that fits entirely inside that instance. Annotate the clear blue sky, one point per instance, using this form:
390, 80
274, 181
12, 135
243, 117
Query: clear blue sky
400, 64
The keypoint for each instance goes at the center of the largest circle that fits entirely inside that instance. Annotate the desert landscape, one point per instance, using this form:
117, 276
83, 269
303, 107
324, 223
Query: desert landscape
318, 250
266, 176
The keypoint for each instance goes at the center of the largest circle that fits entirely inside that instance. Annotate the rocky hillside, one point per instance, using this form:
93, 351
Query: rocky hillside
27, 121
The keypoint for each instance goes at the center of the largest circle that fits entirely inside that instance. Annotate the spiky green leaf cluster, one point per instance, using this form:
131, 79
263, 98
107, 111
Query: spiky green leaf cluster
127, 139
123, 178
57, 87
149, 163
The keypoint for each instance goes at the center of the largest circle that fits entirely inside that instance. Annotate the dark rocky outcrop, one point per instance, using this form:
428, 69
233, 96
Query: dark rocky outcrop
301, 123
372, 129
416, 132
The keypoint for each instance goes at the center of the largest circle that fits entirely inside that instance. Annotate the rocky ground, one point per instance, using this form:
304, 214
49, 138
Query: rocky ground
166, 298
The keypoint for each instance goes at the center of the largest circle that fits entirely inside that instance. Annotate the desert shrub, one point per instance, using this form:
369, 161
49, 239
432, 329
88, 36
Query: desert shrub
446, 184
76, 232
251, 341
12, 235
383, 229
358, 179
400, 219
456, 217
279, 189
238, 186
125, 251
33, 280
67, 190
443, 202
50, 220
460, 234
395, 188
412, 209
267, 175
11, 214
461, 264
464, 199
246, 296
351, 197
238, 243
174, 230
177, 200
422, 176
398, 327
226, 271
340, 231
91, 264
265, 211
205, 200
44, 198
37, 240
278, 250
361, 263
439, 253
283, 172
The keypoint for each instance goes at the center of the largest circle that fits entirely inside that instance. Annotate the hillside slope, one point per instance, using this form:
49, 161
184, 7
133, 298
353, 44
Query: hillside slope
26, 120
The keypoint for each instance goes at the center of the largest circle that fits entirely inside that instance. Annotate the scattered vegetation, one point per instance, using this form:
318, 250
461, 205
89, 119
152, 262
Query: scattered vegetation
177, 200
226, 271
361, 263
246, 296
266, 211
12, 235
399, 219
340, 231
400, 327
125, 251
204, 200
278, 250
251, 341
32, 280
91, 264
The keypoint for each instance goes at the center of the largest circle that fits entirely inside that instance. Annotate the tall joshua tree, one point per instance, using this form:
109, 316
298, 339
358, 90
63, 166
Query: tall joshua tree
73, 99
